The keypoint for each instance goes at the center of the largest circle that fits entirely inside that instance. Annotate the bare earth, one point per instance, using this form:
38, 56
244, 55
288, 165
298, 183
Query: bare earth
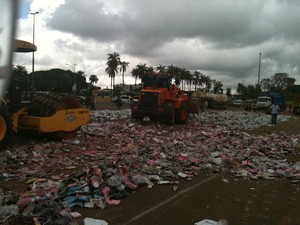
220, 195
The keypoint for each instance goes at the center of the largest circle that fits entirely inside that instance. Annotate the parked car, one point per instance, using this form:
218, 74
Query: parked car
238, 103
126, 99
81, 99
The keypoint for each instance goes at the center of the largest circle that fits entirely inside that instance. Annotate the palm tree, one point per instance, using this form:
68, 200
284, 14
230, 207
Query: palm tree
112, 67
20, 73
150, 69
196, 78
218, 87
207, 82
161, 68
135, 74
93, 79
174, 71
228, 92
185, 75
142, 69
201, 81
123, 67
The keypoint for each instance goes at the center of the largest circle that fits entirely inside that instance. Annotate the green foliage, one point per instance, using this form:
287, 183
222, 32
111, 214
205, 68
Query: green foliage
112, 68
93, 79
277, 83
117, 90
56, 80
218, 87
228, 92
280, 82
20, 78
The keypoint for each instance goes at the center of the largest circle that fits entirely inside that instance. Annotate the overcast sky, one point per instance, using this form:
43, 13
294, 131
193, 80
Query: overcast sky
220, 38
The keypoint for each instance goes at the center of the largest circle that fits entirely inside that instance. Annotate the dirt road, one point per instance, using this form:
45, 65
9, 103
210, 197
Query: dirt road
217, 196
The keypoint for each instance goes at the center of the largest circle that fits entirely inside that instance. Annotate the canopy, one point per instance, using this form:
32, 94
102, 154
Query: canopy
24, 46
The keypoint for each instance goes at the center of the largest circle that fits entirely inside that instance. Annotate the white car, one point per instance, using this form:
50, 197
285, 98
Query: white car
126, 99
238, 103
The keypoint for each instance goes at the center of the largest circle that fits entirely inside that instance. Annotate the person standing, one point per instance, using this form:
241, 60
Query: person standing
118, 102
274, 111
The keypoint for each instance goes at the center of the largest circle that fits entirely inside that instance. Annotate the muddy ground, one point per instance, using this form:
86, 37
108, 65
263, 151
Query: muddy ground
241, 201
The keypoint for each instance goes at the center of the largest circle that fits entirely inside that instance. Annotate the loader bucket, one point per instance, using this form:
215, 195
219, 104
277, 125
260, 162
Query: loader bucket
194, 105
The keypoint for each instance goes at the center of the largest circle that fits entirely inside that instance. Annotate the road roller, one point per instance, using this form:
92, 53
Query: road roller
57, 114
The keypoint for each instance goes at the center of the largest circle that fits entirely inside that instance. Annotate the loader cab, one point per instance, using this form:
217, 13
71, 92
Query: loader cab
156, 80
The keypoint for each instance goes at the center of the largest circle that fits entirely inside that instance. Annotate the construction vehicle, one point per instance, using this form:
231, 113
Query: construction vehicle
59, 115
264, 102
159, 99
268, 98
212, 100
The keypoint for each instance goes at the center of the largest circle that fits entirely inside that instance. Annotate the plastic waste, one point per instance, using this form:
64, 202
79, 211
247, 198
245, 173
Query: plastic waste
25, 201
114, 180
212, 222
95, 181
296, 167
91, 221
109, 201
142, 180
65, 220
9, 210
206, 222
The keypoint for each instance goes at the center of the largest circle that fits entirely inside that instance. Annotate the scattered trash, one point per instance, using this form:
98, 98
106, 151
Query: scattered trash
110, 165
206, 222
164, 182
296, 166
212, 222
91, 221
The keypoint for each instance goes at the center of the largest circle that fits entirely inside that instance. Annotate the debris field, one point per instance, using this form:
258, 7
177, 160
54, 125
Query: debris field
113, 156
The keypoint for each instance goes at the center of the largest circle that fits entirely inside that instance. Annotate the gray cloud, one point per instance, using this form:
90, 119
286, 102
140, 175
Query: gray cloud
221, 37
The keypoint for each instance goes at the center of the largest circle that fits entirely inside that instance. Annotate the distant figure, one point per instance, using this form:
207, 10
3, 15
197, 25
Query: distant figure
90, 102
274, 111
93, 107
118, 102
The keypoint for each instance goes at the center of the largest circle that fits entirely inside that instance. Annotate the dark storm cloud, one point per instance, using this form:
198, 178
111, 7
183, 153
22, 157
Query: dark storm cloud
87, 19
233, 31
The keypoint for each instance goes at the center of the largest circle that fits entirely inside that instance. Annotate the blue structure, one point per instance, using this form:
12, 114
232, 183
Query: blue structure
276, 98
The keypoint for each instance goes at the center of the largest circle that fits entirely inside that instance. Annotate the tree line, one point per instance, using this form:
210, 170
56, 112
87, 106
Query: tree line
188, 80
55, 80
196, 80
58, 80
278, 83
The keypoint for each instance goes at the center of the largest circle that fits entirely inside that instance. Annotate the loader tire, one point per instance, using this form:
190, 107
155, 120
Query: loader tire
136, 116
5, 127
182, 114
169, 119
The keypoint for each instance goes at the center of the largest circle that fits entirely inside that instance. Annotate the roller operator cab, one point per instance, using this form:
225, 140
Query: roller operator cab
161, 100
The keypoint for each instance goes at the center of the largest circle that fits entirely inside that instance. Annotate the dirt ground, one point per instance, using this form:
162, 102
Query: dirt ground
241, 201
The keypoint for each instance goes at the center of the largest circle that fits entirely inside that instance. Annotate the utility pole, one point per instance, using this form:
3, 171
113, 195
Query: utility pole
258, 81
33, 36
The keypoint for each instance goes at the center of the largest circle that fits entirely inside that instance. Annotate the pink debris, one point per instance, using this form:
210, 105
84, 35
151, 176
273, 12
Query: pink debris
106, 191
124, 171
